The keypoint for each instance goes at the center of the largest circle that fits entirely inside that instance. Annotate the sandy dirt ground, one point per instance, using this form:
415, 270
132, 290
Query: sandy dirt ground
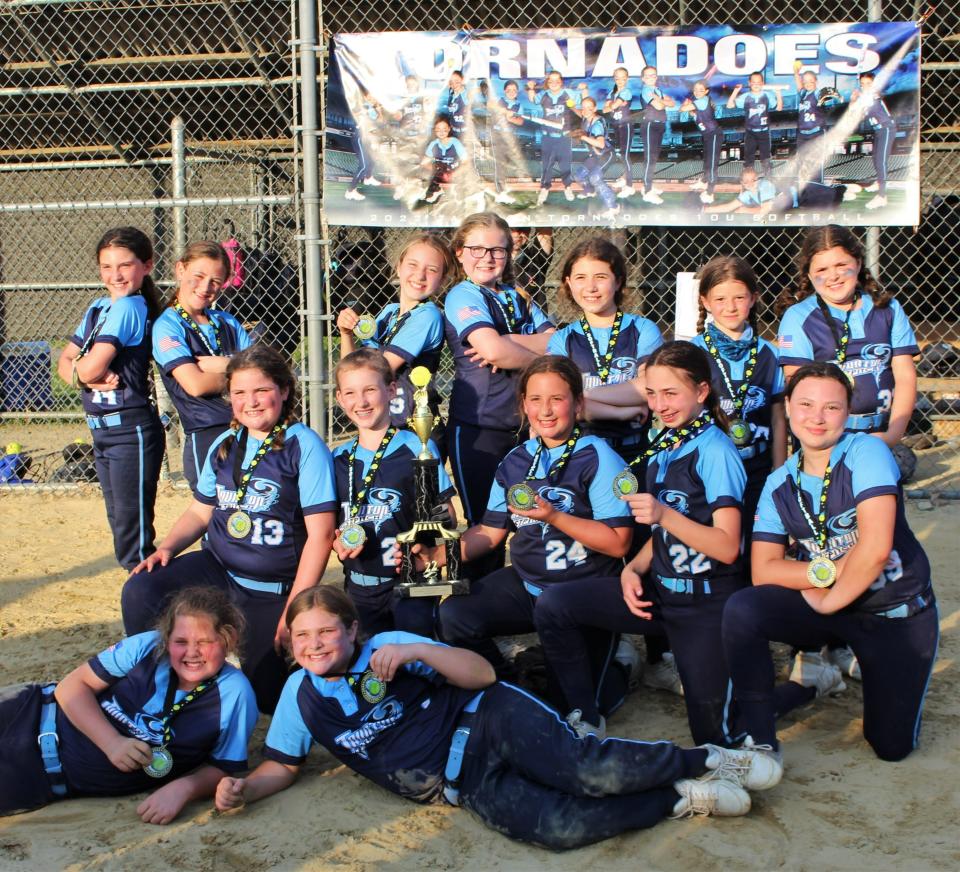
838, 807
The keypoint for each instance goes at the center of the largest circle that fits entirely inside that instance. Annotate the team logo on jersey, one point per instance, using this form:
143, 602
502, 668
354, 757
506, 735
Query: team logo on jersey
382, 504
143, 726
844, 523
873, 360
560, 498
676, 500
756, 398
844, 535
262, 494
378, 719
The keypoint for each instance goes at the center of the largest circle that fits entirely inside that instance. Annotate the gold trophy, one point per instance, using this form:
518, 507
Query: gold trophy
426, 529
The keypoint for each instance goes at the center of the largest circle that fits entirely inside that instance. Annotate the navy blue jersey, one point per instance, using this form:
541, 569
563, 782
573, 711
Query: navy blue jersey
214, 729
419, 342
638, 339
876, 337
412, 116
596, 129
810, 115
767, 387
540, 553
863, 468
479, 396
400, 743
389, 507
454, 107
696, 479
125, 326
508, 108
287, 484
554, 108
876, 113
176, 343
621, 115
756, 109
650, 112
449, 154
704, 115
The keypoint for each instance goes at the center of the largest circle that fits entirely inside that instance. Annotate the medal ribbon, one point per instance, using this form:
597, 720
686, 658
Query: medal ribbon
241, 483
843, 339
371, 472
398, 323
674, 439
195, 327
819, 526
171, 709
509, 313
556, 468
603, 365
739, 395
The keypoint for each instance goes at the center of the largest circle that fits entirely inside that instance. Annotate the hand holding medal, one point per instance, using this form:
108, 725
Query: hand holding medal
523, 499
821, 570
353, 536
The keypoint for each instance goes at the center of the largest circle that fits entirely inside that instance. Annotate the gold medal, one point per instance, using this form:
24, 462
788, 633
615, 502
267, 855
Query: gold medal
821, 572
372, 689
521, 497
740, 432
366, 327
238, 524
352, 536
625, 483
161, 762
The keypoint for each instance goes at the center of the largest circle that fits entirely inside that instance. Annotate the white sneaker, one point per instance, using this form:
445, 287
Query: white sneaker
877, 202
652, 197
845, 660
663, 675
586, 196
626, 191
353, 194
372, 181
698, 185
568, 193
583, 729
629, 658
655, 190
753, 767
504, 197
706, 198
717, 797
619, 183
872, 188
542, 196
811, 670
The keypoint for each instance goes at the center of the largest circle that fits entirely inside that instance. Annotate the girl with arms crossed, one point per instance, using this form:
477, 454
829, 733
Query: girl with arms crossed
265, 502
108, 358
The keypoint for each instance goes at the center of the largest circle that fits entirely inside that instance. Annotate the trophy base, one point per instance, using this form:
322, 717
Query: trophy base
454, 587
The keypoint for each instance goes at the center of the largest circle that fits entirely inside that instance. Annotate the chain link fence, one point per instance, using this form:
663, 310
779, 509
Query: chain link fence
183, 118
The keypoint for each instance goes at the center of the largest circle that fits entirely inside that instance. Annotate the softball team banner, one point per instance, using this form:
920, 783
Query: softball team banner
703, 126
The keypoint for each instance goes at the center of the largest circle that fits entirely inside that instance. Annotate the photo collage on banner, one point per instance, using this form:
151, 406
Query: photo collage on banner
788, 125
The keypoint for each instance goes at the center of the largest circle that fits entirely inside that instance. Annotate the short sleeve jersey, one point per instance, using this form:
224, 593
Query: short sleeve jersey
766, 388
390, 505
704, 115
449, 153
418, 341
412, 116
810, 115
454, 106
862, 468
212, 730
124, 325
287, 484
876, 113
480, 397
176, 343
508, 108
595, 129
400, 742
621, 115
540, 553
756, 108
876, 337
554, 108
696, 479
650, 112
638, 339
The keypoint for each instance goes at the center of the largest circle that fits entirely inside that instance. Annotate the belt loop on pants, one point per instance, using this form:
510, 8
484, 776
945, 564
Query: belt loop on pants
910, 608
458, 743
49, 742
533, 589
685, 585
100, 422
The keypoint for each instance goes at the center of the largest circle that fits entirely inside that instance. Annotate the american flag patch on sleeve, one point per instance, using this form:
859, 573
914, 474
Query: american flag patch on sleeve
784, 341
468, 313
168, 343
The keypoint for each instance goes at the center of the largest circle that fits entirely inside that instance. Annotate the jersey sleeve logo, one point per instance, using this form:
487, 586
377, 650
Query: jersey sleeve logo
168, 343
383, 717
